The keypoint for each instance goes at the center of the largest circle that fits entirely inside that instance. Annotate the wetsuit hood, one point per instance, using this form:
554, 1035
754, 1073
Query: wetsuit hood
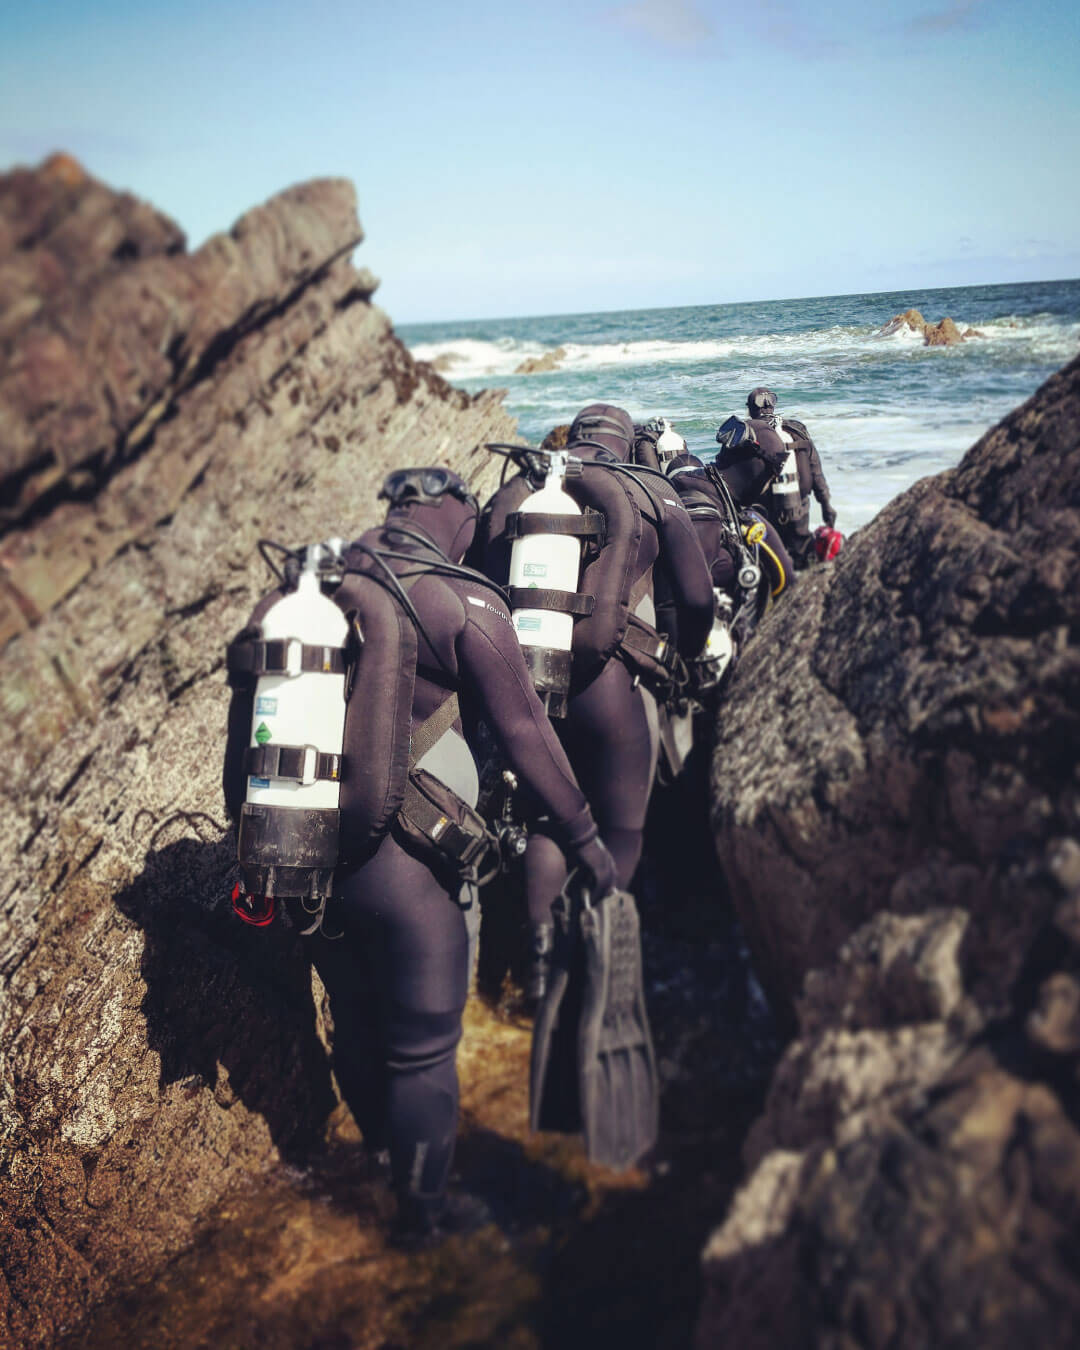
449, 522
601, 430
761, 401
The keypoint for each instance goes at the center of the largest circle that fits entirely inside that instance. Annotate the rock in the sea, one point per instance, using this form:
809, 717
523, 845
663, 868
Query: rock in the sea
911, 319
534, 365
160, 412
942, 334
897, 811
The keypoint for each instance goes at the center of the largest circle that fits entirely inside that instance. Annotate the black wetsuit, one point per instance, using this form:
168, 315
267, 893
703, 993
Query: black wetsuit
398, 976
610, 730
794, 524
748, 469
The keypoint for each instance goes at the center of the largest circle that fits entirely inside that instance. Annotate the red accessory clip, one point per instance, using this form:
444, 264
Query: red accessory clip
257, 911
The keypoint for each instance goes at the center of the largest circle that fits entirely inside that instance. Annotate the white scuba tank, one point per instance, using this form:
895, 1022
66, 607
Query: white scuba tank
301, 708
719, 647
785, 486
547, 562
669, 443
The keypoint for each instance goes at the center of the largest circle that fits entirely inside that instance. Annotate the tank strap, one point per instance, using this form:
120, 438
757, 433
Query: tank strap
305, 763
591, 525
255, 657
561, 602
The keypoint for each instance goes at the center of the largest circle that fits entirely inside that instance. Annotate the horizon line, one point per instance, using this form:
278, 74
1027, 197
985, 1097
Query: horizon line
732, 304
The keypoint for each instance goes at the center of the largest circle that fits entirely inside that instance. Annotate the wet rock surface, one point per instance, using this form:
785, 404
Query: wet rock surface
536, 365
901, 844
944, 333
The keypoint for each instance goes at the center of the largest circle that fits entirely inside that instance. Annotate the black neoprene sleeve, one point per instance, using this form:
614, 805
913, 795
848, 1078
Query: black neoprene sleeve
491, 661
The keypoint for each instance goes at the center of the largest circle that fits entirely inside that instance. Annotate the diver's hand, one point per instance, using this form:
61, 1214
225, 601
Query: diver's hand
598, 863
828, 515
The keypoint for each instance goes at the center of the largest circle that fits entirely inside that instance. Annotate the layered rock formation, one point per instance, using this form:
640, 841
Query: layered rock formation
160, 412
901, 842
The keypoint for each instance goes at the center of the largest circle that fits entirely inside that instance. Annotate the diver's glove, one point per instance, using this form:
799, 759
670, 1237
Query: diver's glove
828, 515
597, 862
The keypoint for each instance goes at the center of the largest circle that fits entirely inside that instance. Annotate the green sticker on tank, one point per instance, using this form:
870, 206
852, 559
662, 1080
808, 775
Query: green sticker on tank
536, 569
527, 624
262, 733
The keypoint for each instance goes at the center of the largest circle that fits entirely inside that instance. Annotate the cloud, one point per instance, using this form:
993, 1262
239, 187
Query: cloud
961, 15
786, 27
675, 23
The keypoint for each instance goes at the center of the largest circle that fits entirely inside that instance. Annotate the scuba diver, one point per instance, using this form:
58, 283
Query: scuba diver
618, 662
389, 937
787, 499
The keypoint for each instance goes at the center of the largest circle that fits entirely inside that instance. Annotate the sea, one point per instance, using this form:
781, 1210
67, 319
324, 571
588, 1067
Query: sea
883, 409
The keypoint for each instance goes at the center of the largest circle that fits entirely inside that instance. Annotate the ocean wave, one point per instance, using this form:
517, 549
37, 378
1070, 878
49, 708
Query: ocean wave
466, 358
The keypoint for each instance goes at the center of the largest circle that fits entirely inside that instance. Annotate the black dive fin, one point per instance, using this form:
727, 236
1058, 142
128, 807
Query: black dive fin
554, 1091
619, 1084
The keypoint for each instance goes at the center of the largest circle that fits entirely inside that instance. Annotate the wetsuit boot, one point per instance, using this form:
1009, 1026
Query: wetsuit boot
424, 1221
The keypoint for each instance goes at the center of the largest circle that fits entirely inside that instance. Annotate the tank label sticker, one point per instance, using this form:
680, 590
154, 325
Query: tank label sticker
265, 707
259, 782
262, 733
526, 624
536, 569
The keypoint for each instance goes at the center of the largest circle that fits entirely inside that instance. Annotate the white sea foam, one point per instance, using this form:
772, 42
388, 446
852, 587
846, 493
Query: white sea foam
473, 358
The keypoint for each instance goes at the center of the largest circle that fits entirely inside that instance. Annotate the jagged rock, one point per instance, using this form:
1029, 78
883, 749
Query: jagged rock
896, 739
534, 365
952, 1228
943, 334
557, 438
911, 319
152, 1056
900, 843
893, 971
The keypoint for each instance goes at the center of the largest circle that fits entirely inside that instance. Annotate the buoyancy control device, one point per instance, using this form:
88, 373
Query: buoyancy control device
786, 495
611, 524
346, 732
296, 656
545, 568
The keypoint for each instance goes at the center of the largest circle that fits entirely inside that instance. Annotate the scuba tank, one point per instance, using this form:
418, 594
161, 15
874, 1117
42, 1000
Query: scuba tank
669, 443
785, 486
547, 561
289, 822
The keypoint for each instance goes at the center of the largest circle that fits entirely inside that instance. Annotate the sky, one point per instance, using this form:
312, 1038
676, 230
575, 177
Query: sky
574, 157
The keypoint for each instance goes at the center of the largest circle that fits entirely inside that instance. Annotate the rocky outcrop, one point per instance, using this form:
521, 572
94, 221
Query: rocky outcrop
535, 365
160, 413
902, 845
942, 334
557, 438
